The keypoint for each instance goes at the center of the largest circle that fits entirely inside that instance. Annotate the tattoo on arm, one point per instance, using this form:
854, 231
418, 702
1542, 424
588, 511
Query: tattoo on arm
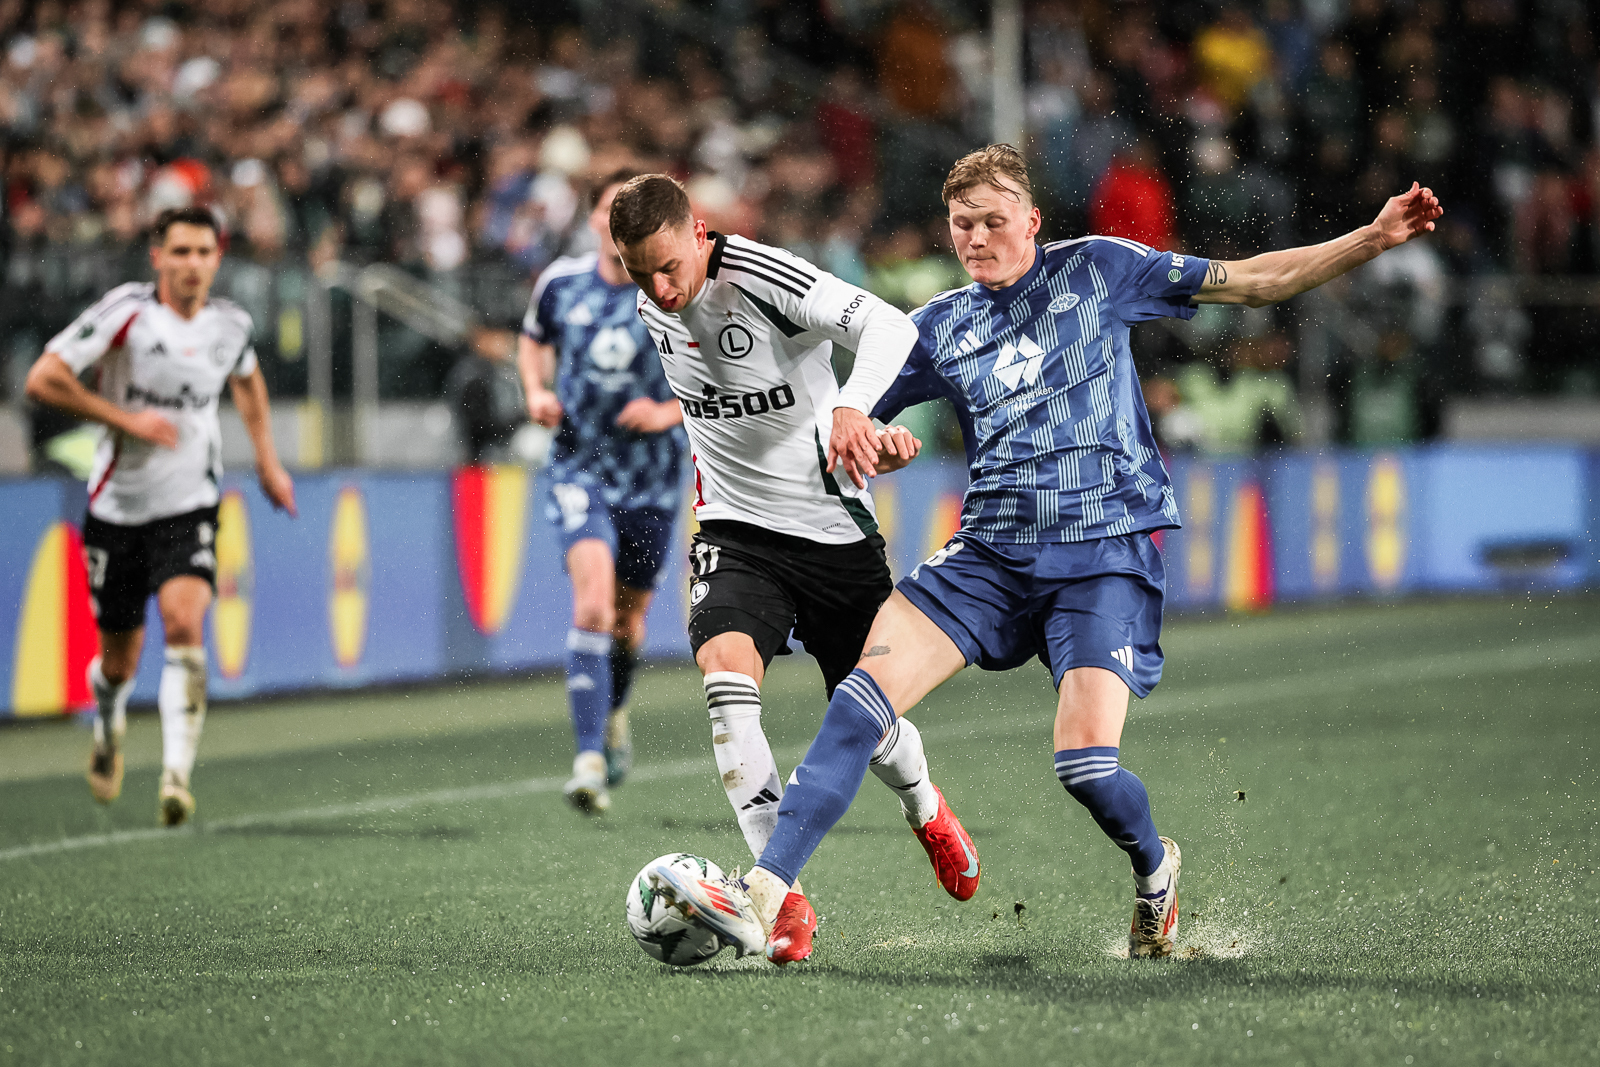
1217, 275
876, 650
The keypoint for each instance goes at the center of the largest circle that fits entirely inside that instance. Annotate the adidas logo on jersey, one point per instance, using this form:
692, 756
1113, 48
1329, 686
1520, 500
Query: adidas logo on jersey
1019, 363
580, 315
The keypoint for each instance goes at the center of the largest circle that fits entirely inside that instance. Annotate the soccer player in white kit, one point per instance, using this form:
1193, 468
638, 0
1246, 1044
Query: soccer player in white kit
745, 334
162, 352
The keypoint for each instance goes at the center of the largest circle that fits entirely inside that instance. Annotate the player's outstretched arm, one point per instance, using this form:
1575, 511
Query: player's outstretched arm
883, 341
1274, 276
51, 381
255, 411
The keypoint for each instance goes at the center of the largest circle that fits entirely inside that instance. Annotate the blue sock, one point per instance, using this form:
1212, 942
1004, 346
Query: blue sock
1117, 800
826, 781
589, 686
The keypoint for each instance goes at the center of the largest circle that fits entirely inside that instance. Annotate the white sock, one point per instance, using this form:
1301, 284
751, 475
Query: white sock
900, 763
767, 893
744, 759
1157, 881
111, 706
182, 701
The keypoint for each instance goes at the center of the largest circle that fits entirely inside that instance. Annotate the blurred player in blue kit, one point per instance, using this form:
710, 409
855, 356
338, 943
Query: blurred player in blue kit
1054, 557
591, 374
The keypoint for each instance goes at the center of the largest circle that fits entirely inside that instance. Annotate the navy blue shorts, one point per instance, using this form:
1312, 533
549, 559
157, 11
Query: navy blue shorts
638, 537
1080, 604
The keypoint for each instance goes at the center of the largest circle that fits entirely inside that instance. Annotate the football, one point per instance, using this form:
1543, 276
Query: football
660, 926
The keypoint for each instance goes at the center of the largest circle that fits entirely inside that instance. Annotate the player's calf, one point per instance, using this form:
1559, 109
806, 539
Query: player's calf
182, 703
1117, 800
110, 724
744, 759
618, 733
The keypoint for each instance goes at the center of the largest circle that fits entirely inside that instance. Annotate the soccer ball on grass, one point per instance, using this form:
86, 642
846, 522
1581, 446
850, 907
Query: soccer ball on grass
660, 925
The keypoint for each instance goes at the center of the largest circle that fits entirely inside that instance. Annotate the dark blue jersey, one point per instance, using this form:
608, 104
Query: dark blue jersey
1058, 440
604, 358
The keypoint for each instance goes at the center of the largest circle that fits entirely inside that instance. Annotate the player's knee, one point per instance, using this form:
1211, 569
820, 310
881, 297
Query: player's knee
183, 628
116, 669
860, 702
731, 651
594, 615
628, 627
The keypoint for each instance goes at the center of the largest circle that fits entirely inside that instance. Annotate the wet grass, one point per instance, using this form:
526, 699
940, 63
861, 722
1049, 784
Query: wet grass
1407, 879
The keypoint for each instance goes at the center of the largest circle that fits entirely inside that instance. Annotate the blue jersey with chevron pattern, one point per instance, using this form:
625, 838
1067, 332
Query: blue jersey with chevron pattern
605, 358
1040, 374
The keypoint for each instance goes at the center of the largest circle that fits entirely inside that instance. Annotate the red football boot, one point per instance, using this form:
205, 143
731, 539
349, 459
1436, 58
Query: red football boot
950, 850
790, 939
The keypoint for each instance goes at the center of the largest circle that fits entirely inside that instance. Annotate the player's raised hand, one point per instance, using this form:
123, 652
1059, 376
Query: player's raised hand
1411, 214
278, 486
544, 407
643, 415
853, 445
896, 448
151, 427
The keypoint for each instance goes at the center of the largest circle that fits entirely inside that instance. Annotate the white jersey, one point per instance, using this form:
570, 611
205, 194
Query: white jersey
750, 359
150, 357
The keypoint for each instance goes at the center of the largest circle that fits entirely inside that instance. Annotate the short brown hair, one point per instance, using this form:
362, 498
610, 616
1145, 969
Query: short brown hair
188, 216
644, 205
985, 167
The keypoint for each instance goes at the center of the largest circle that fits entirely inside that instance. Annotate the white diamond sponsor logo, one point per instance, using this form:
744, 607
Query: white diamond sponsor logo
1020, 363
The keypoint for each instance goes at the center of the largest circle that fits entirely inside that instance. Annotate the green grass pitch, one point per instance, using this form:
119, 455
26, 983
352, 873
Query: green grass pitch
1387, 813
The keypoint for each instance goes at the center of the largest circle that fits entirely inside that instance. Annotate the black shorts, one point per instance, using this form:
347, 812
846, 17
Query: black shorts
127, 564
752, 581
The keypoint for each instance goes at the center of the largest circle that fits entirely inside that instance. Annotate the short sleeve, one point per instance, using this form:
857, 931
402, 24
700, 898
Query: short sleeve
1146, 283
95, 332
247, 363
539, 322
796, 296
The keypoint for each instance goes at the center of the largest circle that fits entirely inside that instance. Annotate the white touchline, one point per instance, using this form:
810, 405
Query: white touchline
1321, 683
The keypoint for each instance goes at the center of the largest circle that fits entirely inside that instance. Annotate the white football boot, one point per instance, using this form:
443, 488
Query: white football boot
720, 903
1155, 913
174, 802
586, 789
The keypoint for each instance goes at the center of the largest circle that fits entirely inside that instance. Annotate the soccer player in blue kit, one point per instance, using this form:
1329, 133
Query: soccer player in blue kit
591, 373
1054, 556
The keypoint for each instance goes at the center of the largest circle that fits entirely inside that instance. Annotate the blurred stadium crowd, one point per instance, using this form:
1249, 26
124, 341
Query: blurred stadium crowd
461, 140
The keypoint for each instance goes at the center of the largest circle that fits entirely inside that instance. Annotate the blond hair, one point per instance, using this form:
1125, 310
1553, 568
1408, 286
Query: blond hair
987, 166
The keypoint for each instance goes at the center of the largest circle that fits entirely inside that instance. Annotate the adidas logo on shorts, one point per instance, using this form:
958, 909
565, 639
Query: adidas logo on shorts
1124, 656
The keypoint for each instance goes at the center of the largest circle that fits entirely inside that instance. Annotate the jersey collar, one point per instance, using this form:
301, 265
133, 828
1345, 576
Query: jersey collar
1009, 293
718, 243
714, 264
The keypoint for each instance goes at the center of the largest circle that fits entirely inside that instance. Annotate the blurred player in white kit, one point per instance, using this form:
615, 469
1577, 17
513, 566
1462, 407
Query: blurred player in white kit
162, 352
